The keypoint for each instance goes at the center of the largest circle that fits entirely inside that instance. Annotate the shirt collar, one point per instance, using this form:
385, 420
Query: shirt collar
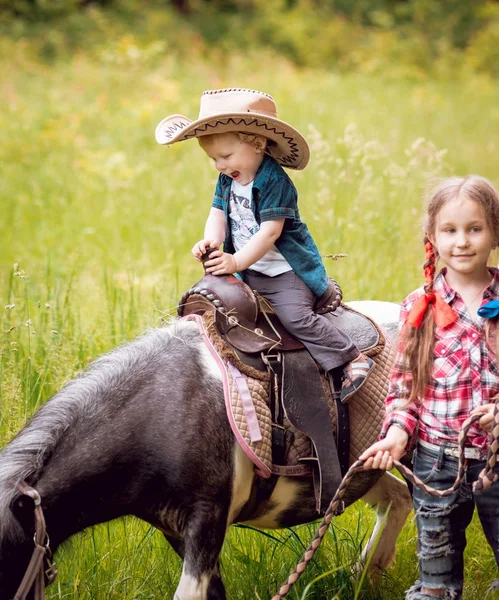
448, 294
441, 286
265, 170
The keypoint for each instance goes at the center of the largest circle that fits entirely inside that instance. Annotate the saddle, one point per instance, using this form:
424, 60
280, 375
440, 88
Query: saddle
247, 323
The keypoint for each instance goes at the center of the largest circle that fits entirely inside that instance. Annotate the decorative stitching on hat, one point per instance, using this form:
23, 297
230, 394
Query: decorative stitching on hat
170, 130
288, 160
208, 92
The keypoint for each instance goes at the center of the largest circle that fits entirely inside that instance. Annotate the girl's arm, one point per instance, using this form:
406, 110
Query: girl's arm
221, 263
214, 233
382, 454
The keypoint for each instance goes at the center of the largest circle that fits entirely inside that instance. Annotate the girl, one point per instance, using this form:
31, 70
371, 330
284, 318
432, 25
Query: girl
445, 370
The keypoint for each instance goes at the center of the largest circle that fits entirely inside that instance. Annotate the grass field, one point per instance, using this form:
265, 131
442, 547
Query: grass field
99, 221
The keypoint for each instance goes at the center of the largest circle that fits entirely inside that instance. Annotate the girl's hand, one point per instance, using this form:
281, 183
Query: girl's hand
221, 263
382, 454
202, 247
487, 421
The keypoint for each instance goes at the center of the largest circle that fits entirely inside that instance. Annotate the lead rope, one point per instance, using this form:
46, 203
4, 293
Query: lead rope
486, 478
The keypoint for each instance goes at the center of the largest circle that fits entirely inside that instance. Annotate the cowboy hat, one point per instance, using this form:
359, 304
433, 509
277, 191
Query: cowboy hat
234, 110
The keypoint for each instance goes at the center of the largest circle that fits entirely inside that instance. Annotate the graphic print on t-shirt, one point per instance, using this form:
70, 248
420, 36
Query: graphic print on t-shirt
243, 223
243, 226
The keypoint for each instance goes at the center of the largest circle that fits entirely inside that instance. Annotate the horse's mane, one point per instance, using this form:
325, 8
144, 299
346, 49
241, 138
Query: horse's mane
27, 453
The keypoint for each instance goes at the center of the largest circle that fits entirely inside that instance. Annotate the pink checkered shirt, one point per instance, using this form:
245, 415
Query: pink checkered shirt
465, 375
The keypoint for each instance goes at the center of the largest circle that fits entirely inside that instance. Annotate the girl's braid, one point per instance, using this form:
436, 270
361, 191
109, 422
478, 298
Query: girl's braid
418, 341
429, 266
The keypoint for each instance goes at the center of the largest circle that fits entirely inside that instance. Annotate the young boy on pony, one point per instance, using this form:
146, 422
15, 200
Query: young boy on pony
255, 214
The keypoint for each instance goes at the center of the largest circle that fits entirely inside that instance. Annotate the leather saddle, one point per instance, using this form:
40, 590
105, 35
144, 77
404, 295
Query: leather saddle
249, 324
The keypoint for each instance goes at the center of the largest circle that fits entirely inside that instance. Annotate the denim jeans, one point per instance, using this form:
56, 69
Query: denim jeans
442, 522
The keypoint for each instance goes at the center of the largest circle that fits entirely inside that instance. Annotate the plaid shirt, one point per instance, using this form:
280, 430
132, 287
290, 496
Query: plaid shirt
465, 375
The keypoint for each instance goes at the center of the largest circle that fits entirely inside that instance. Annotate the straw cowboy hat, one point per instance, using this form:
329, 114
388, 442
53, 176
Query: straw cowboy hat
238, 109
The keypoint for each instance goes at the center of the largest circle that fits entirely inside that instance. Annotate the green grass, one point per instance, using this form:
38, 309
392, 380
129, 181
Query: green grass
100, 221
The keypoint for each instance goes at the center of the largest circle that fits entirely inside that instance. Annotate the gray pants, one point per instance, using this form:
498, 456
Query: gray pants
293, 303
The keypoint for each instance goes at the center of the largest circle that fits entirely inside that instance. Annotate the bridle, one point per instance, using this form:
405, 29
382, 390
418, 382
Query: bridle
41, 565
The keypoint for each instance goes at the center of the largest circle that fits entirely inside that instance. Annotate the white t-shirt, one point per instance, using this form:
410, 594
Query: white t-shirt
243, 227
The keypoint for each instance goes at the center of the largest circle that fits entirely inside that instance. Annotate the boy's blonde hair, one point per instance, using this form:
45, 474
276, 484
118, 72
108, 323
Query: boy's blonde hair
418, 343
253, 139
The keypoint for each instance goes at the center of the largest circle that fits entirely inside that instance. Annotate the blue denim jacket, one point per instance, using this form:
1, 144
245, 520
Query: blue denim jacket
275, 197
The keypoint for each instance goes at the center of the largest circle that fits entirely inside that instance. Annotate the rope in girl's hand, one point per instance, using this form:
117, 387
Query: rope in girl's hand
486, 478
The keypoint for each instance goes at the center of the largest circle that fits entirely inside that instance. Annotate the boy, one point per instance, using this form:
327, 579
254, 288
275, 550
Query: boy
255, 213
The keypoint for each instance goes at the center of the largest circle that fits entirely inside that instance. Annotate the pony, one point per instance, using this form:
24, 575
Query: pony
143, 431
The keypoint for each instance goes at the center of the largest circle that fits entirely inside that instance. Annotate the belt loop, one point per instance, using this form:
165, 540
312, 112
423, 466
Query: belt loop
440, 459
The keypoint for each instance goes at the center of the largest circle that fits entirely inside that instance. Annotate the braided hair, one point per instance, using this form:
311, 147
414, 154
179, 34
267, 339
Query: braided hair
418, 343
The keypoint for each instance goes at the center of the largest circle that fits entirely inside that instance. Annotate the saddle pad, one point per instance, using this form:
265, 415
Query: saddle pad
362, 330
239, 380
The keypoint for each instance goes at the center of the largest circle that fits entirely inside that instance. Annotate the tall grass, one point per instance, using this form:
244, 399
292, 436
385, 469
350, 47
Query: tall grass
97, 222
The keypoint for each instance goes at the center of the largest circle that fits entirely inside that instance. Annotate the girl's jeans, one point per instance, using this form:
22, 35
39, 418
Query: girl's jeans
442, 522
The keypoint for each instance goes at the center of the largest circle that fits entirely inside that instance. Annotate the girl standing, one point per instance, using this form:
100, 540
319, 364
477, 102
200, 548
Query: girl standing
445, 370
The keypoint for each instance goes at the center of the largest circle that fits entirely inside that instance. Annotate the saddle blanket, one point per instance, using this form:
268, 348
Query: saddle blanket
246, 392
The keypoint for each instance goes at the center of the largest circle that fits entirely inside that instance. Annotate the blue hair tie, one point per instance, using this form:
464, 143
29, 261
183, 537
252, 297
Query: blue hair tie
489, 310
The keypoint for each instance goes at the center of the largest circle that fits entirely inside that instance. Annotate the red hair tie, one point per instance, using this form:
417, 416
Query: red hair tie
443, 314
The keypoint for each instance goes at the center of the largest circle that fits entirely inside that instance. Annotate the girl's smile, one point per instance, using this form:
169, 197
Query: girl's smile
463, 238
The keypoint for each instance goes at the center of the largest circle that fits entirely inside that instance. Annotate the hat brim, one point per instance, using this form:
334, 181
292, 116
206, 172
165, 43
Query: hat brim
290, 149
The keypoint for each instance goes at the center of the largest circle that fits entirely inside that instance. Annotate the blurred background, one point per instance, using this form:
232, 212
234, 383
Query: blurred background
97, 220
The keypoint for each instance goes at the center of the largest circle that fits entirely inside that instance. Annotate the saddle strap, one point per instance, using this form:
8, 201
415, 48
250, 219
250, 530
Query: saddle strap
279, 434
343, 437
342, 422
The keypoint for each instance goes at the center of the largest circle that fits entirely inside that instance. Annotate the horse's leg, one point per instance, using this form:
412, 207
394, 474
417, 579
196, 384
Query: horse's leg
203, 538
216, 589
388, 494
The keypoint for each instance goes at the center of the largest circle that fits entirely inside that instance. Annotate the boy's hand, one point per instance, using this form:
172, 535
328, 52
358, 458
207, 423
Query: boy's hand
487, 421
204, 246
382, 454
221, 263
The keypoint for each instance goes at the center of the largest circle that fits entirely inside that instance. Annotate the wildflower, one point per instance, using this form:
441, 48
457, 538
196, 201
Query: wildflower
19, 272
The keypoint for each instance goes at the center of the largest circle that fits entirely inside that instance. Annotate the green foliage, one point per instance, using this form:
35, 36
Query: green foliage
41, 9
411, 38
